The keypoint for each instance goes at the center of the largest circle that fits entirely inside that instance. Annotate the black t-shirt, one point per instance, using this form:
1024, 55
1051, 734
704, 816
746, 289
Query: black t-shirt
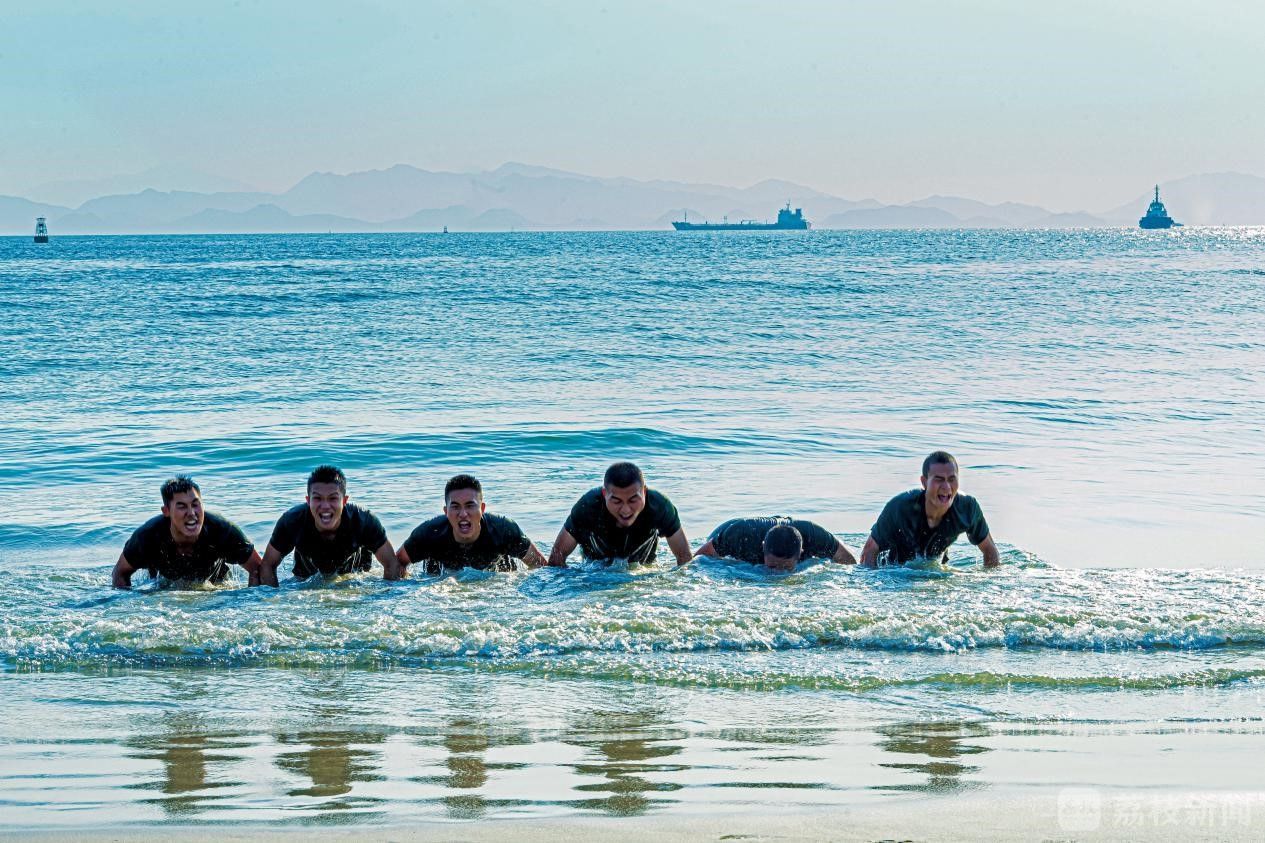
600, 538
351, 547
433, 543
743, 538
902, 531
219, 544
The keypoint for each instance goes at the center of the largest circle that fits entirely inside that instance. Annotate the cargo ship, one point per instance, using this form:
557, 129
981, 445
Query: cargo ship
1156, 215
787, 220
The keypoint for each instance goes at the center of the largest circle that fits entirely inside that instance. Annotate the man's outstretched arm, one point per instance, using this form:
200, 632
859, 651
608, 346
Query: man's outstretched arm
533, 558
708, 549
390, 564
844, 556
252, 564
403, 561
562, 547
680, 547
268, 566
992, 556
121, 576
869, 553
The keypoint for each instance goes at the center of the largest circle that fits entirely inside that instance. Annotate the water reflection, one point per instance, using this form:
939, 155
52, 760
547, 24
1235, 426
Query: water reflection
626, 749
333, 761
939, 745
188, 753
619, 753
468, 742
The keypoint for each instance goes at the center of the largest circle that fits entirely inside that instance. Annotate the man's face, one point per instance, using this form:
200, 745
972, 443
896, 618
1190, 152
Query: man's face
625, 503
941, 484
185, 512
326, 502
465, 514
779, 563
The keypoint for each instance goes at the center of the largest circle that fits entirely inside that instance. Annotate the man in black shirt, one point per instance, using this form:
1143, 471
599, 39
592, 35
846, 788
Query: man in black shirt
922, 523
185, 543
777, 542
328, 535
466, 535
621, 519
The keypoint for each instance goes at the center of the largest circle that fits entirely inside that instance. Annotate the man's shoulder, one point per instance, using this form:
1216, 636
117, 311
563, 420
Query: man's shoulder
909, 501
966, 506
431, 529
818, 541
294, 514
588, 505
367, 526
357, 511
150, 530
724, 527
657, 499
436, 524
219, 525
751, 524
500, 524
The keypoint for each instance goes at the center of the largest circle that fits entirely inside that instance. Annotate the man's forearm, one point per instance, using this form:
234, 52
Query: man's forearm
562, 547
680, 547
869, 553
268, 566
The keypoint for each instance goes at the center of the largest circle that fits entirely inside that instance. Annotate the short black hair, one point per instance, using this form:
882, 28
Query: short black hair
936, 458
784, 542
177, 485
462, 481
623, 474
328, 474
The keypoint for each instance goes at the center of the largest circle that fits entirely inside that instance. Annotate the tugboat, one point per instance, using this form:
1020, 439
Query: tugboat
787, 220
1156, 215
41, 230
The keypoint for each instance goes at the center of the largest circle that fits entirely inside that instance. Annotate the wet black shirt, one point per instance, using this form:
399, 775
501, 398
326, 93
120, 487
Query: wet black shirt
433, 543
219, 544
743, 538
351, 547
600, 538
902, 531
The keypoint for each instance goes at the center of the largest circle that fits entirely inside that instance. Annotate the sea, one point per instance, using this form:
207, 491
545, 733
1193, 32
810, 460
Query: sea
1102, 390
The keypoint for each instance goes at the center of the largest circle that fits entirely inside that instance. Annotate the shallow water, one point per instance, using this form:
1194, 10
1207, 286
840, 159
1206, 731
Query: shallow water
1102, 389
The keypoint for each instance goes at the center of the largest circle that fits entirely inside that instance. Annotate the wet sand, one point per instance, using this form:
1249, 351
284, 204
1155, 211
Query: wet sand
1052, 814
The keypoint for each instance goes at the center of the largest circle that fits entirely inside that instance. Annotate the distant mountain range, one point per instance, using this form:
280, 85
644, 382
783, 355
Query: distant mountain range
524, 197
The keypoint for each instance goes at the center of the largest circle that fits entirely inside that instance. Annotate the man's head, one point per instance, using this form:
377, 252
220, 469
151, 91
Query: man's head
326, 497
782, 548
624, 490
940, 479
182, 504
464, 508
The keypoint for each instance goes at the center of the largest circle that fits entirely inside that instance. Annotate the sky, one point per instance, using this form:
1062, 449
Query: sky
1068, 105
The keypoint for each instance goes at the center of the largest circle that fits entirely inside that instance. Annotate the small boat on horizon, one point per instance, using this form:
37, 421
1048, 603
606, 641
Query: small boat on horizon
1156, 214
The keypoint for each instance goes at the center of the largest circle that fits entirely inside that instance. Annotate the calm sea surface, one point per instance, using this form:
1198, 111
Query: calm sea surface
1103, 391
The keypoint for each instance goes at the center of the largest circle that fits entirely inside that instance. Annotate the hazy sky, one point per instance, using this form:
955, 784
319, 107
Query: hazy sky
1070, 105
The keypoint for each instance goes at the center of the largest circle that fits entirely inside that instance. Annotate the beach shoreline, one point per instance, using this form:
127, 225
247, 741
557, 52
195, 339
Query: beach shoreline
1049, 814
